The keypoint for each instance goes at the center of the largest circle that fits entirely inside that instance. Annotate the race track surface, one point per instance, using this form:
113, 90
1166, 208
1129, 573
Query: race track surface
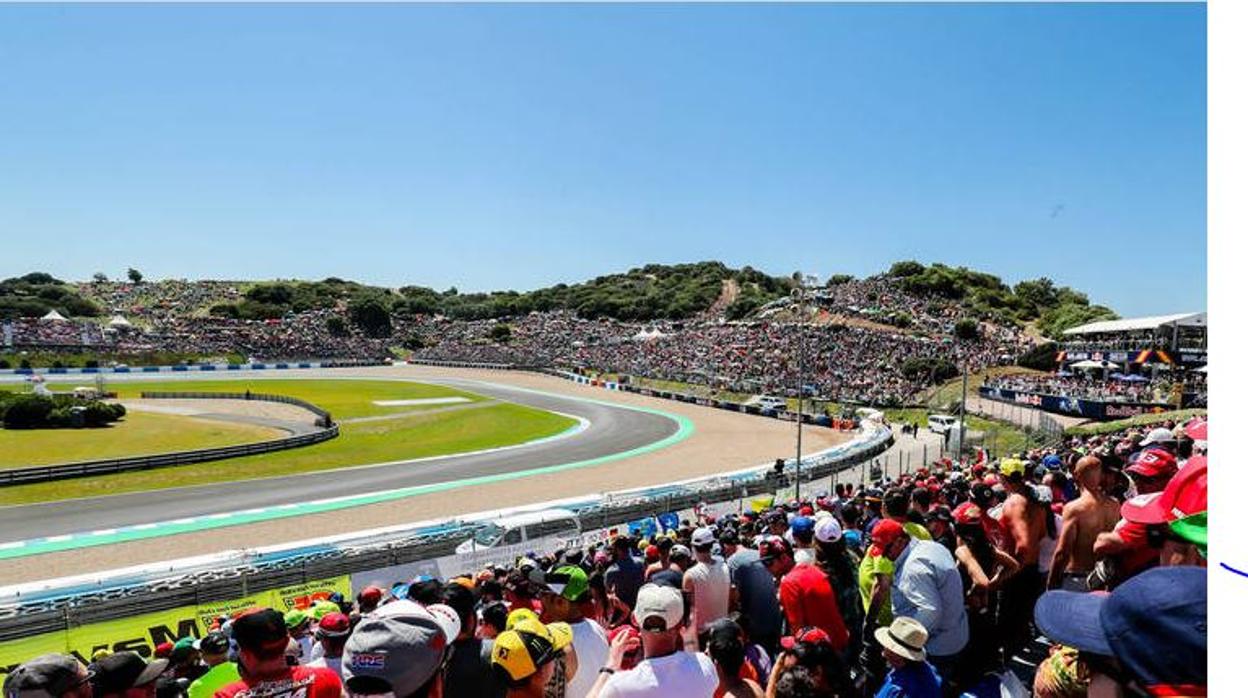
612, 429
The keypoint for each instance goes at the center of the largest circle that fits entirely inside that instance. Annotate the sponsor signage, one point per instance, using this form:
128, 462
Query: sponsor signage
143, 633
1079, 407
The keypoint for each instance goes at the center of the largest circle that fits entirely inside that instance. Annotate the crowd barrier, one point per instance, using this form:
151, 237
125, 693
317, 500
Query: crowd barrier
57, 605
65, 471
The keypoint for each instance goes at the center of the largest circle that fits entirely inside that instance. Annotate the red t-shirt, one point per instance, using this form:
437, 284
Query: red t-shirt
809, 600
300, 682
1138, 556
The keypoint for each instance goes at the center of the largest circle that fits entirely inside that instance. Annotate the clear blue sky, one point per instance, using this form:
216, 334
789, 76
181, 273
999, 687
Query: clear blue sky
512, 146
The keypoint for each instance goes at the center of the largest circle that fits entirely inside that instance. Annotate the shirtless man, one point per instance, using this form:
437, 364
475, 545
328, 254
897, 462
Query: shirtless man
1024, 519
1089, 515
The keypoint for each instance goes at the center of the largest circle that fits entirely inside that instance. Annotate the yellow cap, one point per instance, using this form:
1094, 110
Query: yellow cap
527, 645
518, 615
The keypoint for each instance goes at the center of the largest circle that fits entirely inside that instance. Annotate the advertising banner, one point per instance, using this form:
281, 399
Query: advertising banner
144, 632
1091, 409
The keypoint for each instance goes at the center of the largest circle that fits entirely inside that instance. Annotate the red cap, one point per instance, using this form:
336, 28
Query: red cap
652, 553
1187, 493
371, 595
806, 510
163, 650
334, 625
811, 635
773, 547
1197, 429
1154, 462
968, 513
883, 535
991, 479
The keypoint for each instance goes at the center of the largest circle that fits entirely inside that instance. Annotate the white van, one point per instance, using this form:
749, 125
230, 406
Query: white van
771, 402
522, 528
941, 423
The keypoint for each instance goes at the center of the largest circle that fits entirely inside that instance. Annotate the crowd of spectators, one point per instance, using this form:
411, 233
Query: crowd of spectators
922, 586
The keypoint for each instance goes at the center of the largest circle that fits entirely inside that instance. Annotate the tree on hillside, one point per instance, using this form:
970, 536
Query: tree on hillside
966, 328
99, 277
501, 333
370, 314
135, 276
907, 267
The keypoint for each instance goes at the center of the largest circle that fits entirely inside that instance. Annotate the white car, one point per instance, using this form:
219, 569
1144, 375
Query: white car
942, 423
522, 528
771, 402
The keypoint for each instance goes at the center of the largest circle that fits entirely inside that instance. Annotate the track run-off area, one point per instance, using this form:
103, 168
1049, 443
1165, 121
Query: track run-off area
622, 440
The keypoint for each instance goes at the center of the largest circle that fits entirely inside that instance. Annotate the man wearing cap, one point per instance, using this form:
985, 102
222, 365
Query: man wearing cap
525, 656
127, 674
184, 660
806, 595
897, 508
1154, 625
928, 588
49, 676
667, 669
214, 648
468, 673
875, 577
706, 584
1023, 517
564, 592
331, 636
1128, 544
801, 535
262, 642
841, 567
400, 649
1090, 515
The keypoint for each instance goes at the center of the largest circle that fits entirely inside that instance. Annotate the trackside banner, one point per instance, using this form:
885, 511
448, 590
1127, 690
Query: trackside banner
142, 633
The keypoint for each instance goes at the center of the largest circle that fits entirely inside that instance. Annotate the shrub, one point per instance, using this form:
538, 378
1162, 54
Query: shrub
97, 414
966, 328
27, 412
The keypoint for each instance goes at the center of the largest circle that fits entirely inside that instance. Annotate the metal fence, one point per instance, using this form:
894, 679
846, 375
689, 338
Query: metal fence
65, 471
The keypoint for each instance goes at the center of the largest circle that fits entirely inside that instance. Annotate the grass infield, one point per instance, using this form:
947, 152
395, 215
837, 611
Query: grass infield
440, 432
138, 434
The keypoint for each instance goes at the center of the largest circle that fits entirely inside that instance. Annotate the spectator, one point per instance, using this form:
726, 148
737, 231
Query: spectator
726, 647
755, 591
624, 576
1166, 607
928, 588
526, 656
49, 676
564, 592
262, 642
126, 674
706, 584
667, 669
841, 567
215, 650
984, 568
897, 508
331, 636
806, 596
910, 674
1090, 515
1024, 519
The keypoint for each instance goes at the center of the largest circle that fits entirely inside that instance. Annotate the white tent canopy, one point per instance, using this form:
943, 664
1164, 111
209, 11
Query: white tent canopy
52, 315
1094, 364
119, 320
648, 334
1153, 322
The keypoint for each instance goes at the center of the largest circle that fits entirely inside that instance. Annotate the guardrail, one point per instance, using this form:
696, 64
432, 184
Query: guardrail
53, 609
192, 368
323, 416
66, 471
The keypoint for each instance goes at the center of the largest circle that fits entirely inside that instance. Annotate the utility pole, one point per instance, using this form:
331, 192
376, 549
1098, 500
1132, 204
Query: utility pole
962, 418
799, 293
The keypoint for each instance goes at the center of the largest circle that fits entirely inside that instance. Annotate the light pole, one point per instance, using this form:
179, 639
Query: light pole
799, 293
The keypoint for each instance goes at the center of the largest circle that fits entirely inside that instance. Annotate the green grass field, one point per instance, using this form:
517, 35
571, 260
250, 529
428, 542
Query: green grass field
345, 399
404, 437
140, 433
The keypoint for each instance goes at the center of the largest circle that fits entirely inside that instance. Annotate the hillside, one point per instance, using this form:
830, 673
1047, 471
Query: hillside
931, 299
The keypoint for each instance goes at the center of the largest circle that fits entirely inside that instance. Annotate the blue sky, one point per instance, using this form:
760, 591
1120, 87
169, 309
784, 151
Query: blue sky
514, 146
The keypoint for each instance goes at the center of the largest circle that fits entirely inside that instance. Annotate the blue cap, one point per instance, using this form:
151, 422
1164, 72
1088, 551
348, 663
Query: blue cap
802, 525
1051, 462
1163, 607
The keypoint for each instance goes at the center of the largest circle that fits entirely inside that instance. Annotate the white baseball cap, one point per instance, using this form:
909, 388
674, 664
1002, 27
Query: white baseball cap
701, 537
828, 530
1158, 436
659, 601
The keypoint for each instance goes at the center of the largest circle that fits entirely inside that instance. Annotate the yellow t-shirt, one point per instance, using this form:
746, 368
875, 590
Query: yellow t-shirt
870, 567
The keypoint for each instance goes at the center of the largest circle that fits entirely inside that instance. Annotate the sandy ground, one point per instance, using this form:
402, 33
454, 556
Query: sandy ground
722, 441
243, 408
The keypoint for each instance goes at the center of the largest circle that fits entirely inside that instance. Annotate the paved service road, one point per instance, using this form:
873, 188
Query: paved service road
612, 429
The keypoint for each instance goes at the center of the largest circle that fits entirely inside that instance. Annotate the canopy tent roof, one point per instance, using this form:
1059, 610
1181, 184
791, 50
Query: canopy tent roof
1153, 322
652, 333
1088, 363
119, 320
53, 315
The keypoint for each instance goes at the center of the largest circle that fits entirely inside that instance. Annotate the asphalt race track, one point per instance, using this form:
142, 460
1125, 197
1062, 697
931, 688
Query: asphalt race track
612, 430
